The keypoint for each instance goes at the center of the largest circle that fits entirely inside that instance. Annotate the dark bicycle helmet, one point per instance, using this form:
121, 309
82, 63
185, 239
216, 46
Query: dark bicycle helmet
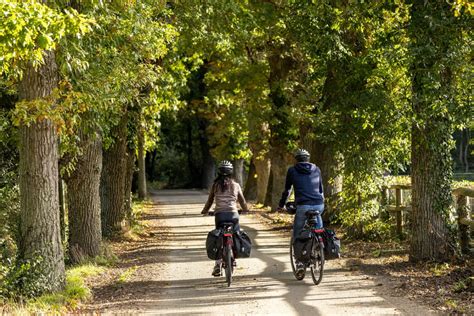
225, 168
302, 155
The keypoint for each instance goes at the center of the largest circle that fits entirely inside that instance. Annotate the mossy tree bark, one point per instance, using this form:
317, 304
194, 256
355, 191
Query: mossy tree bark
262, 168
40, 232
433, 30
131, 158
239, 171
250, 191
431, 193
260, 157
142, 189
83, 196
209, 164
112, 182
280, 124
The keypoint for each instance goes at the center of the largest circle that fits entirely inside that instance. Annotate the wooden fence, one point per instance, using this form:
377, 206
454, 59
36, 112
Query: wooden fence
464, 220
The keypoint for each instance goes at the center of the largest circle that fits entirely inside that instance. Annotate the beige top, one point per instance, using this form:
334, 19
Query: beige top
226, 201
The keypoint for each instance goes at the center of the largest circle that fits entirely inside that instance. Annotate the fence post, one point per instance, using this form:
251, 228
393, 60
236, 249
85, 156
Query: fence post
384, 202
464, 230
398, 203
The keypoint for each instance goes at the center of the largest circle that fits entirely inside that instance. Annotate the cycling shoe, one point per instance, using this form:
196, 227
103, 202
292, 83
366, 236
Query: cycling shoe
300, 271
217, 271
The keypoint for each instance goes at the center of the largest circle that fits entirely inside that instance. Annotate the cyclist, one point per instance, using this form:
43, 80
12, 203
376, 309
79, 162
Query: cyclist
306, 180
226, 192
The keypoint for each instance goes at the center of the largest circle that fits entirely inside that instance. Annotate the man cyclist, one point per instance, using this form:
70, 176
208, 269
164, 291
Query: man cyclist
306, 180
226, 192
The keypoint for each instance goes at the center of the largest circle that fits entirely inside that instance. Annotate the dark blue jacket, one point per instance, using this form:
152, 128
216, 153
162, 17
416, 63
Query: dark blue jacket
305, 178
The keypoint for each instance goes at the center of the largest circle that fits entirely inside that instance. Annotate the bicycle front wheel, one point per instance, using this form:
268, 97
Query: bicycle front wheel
228, 268
317, 262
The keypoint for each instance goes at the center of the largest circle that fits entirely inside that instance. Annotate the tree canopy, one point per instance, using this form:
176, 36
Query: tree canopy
116, 92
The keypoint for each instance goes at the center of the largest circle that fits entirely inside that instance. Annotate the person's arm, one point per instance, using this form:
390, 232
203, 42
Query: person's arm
209, 202
241, 198
286, 191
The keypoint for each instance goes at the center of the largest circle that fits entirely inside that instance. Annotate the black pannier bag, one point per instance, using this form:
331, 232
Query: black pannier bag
302, 246
242, 244
214, 244
332, 245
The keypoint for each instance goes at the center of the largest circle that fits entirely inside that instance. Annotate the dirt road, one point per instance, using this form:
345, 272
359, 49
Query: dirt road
174, 276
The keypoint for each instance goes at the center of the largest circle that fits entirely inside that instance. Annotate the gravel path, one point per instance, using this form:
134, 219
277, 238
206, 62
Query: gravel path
173, 276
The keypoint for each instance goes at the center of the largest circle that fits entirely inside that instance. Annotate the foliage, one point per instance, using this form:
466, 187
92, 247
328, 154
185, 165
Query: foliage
9, 201
75, 292
355, 93
131, 67
438, 47
29, 28
360, 212
236, 79
22, 279
9, 195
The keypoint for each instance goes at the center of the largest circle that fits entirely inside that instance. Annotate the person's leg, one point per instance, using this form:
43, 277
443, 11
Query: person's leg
319, 219
298, 225
300, 218
235, 220
219, 218
227, 217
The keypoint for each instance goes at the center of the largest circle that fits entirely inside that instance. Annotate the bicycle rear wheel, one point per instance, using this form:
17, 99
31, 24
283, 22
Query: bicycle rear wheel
317, 262
228, 263
293, 261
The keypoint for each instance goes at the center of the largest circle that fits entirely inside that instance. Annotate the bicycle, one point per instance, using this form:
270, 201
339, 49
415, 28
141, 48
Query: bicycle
228, 256
316, 261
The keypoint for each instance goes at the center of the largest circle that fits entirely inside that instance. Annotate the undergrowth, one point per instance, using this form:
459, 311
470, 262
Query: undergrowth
76, 291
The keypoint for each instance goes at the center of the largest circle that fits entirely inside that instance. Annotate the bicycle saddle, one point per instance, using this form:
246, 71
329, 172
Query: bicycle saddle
227, 224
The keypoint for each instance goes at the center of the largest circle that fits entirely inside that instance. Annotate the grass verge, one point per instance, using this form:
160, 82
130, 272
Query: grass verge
139, 227
75, 292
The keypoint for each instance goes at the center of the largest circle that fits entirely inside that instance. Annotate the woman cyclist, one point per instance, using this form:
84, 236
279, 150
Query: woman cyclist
226, 192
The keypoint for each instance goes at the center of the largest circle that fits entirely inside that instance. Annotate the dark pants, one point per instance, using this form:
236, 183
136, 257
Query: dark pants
227, 217
300, 217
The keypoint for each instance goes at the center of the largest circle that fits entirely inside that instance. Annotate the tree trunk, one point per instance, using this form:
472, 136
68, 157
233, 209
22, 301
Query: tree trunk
329, 163
40, 232
461, 149
209, 165
150, 164
324, 156
112, 182
62, 209
466, 150
431, 132
128, 183
279, 163
250, 191
142, 190
268, 195
259, 156
262, 168
239, 172
431, 196
280, 124
83, 196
